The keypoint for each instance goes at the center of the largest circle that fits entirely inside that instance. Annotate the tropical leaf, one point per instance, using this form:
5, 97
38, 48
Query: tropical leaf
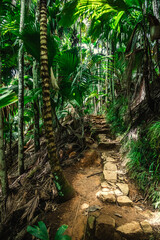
68, 14
68, 61
59, 234
7, 97
39, 231
31, 39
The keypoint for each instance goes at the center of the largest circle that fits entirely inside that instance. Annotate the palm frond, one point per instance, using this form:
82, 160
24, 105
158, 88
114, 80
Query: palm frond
31, 39
7, 97
68, 15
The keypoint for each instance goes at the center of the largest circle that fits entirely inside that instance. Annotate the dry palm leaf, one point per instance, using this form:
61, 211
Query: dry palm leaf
31, 207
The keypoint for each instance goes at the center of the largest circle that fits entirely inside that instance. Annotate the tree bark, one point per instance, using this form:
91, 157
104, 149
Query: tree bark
21, 95
36, 109
3, 167
65, 190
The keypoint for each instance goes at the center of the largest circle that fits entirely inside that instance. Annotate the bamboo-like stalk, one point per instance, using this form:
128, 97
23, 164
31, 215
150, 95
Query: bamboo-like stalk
21, 95
3, 167
65, 190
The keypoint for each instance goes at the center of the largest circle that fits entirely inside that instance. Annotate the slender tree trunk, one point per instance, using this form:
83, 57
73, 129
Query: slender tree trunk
21, 95
113, 63
80, 26
3, 167
106, 77
99, 89
65, 190
35, 71
36, 109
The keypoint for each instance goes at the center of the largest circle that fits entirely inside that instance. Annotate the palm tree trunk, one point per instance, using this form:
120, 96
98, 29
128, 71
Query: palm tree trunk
65, 190
3, 167
21, 95
35, 71
113, 64
36, 109
106, 77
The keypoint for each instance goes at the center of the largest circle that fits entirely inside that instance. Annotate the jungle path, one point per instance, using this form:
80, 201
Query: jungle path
107, 204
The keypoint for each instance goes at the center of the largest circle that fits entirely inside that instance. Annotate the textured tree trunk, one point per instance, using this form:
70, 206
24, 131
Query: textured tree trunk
99, 89
113, 63
36, 109
21, 95
106, 82
3, 168
65, 190
35, 71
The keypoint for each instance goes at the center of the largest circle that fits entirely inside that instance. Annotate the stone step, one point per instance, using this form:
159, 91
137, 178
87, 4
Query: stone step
108, 145
123, 187
135, 230
131, 230
101, 131
107, 197
124, 201
110, 176
106, 158
110, 166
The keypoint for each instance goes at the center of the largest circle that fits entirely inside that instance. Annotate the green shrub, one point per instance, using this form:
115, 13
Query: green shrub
144, 164
41, 232
115, 115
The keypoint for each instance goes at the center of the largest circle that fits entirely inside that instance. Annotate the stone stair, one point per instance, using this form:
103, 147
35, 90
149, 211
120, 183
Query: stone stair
114, 194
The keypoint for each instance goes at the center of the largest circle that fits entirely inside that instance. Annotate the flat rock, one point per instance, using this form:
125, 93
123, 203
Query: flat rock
106, 189
131, 230
110, 166
105, 226
108, 197
124, 201
124, 188
110, 159
104, 184
110, 176
102, 137
84, 206
118, 192
147, 229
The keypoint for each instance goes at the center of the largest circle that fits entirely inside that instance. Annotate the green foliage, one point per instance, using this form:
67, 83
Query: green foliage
31, 36
144, 166
115, 115
7, 97
59, 234
41, 232
154, 136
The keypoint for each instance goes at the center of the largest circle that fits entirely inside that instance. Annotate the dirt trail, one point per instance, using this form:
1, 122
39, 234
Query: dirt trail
107, 204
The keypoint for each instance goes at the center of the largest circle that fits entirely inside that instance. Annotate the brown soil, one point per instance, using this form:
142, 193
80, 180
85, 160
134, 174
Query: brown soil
72, 212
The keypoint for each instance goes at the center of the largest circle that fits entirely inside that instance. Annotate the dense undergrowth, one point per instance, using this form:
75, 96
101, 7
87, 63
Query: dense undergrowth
115, 115
144, 153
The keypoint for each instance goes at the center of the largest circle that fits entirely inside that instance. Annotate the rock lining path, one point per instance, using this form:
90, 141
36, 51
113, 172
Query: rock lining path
120, 218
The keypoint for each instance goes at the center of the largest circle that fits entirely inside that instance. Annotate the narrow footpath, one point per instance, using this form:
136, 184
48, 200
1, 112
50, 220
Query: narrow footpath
107, 206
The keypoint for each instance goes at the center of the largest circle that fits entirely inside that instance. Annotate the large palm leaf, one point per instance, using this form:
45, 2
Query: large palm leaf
31, 39
7, 97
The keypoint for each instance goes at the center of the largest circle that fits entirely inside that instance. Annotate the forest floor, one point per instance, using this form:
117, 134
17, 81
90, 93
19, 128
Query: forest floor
107, 204
101, 208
